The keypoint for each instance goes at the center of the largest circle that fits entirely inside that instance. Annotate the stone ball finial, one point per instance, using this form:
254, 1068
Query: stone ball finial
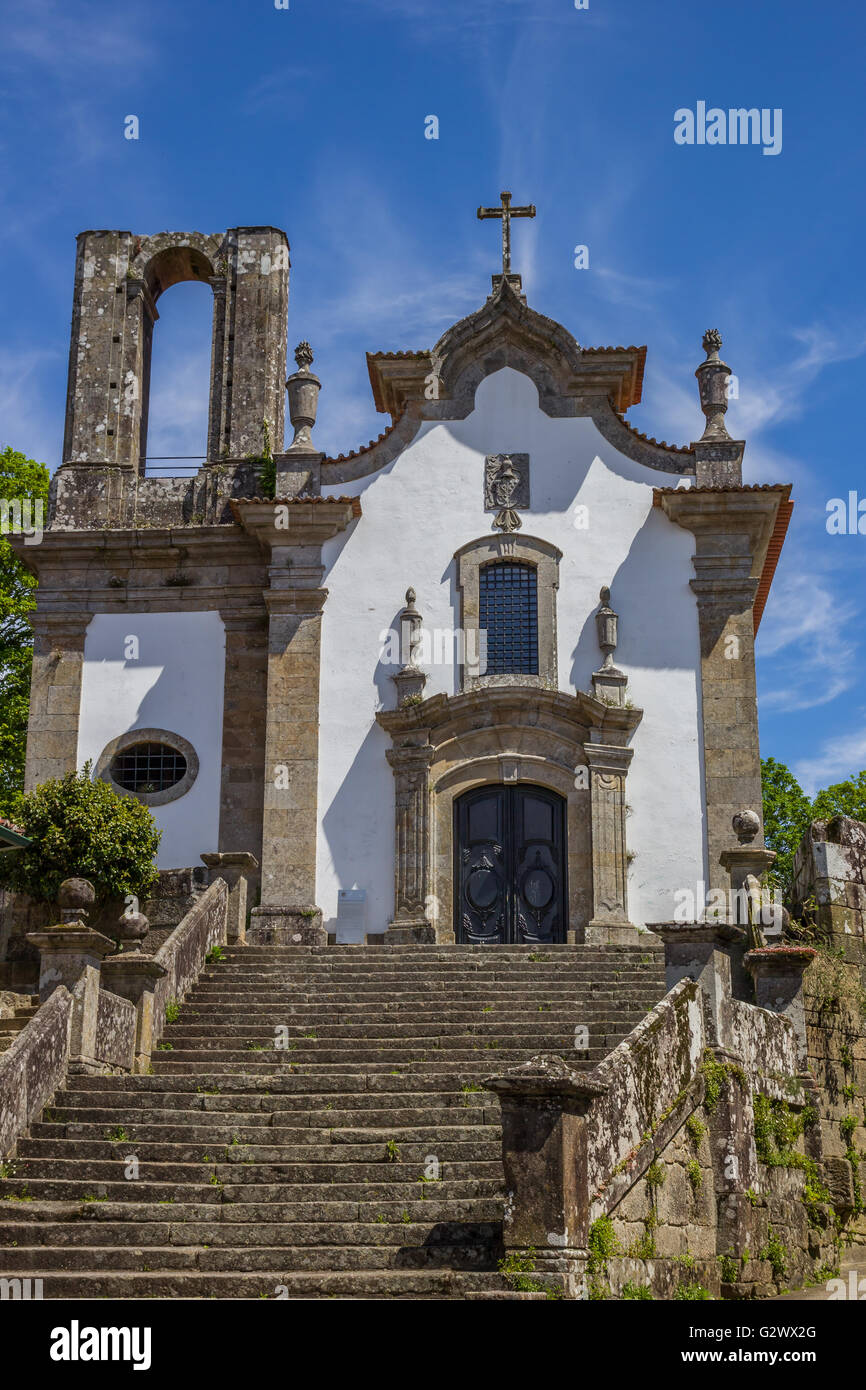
132, 928
746, 825
304, 356
712, 342
604, 595
75, 899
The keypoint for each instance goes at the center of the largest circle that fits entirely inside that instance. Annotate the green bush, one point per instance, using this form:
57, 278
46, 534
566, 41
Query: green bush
82, 829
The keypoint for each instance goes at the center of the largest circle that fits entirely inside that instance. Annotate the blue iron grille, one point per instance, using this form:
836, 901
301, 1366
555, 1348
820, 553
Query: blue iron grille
508, 610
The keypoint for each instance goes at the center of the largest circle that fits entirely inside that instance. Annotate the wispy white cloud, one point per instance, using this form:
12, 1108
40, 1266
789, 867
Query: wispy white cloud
71, 41
807, 650
837, 759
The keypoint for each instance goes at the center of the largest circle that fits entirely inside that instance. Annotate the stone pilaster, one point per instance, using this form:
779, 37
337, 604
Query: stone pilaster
732, 529
608, 765
293, 531
411, 767
239, 871
244, 719
55, 695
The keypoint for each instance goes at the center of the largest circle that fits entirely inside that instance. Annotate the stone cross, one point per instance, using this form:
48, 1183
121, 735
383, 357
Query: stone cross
506, 212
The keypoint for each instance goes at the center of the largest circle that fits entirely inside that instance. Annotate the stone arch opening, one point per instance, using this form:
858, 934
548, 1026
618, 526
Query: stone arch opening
178, 394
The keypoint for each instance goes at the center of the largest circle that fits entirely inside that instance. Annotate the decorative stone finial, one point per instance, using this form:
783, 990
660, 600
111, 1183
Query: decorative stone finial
606, 622
410, 679
746, 826
75, 899
711, 343
303, 389
304, 356
132, 928
712, 377
609, 683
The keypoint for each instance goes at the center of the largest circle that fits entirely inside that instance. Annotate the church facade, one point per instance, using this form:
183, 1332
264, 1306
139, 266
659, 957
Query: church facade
489, 679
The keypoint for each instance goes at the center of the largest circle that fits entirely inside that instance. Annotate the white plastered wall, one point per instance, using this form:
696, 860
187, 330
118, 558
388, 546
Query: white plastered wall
417, 512
176, 684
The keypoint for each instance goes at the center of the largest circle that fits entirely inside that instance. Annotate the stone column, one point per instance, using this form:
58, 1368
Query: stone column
134, 977
238, 870
608, 765
71, 955
704, 952
545, 1104
55, 695
732, 528
411, 766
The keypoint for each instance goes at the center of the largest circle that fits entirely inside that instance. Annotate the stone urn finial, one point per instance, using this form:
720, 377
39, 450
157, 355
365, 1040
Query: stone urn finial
132, 928
303, 389
75, 899
712, 377
607, 623
746, 826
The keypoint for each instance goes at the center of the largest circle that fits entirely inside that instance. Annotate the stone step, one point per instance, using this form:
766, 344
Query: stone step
484, 1058
174, 1142
336, 1082
411, 1284
90, 1193
355, 1164
93, 1123
395, 1228
89, 1219
472, 1065
545, 1031
44, 1260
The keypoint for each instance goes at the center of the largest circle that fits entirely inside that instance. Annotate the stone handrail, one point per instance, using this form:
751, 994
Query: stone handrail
647, 1081
183, 954
34, 1067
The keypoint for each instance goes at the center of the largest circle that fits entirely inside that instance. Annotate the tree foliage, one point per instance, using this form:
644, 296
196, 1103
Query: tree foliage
21, 479
82, 828
788, 812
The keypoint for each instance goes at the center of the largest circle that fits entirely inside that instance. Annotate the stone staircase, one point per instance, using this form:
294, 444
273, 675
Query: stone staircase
14, 1015
361, 1159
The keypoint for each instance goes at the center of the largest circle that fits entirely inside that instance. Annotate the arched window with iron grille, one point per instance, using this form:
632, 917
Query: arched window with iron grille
508, 613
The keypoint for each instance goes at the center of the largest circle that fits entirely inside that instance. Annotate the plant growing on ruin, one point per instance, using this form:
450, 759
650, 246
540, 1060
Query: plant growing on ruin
81, 827
23, 482
693, 1293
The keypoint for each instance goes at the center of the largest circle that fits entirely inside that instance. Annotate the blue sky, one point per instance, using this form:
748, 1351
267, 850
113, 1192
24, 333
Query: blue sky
312, 119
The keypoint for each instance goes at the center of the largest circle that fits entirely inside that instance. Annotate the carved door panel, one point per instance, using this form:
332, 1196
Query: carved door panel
509, 866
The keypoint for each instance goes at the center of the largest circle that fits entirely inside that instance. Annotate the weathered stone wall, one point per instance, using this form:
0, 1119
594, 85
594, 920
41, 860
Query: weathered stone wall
183, 954
829, 893
33, 1068
115, 1031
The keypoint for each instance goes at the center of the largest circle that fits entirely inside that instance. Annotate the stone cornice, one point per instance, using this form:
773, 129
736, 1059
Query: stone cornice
295, 521
733, 529
441, 715
65, 550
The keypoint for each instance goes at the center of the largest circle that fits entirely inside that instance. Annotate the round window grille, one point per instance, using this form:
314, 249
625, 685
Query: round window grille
146, 768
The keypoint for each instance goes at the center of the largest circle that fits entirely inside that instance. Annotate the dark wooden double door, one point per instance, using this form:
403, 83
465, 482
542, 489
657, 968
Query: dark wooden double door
510, 880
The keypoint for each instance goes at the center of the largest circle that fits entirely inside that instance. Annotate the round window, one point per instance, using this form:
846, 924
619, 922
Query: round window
146, 768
